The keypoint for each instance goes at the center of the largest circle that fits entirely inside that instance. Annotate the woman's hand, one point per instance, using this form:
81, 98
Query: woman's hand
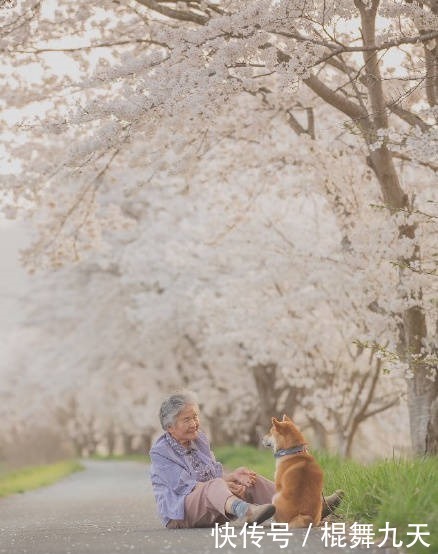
243, 476
236, 489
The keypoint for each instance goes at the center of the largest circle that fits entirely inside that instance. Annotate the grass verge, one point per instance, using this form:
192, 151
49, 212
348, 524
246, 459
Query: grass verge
30, 478
401, 492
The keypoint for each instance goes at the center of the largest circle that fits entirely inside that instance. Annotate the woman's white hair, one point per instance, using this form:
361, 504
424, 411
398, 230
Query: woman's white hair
173, 405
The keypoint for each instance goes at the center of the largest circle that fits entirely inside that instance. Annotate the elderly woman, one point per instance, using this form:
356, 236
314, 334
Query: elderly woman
190, 487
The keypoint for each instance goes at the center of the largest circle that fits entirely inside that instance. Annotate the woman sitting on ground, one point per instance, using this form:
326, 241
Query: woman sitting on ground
190, 487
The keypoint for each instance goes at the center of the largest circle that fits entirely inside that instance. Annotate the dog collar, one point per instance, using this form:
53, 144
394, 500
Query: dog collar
286, 451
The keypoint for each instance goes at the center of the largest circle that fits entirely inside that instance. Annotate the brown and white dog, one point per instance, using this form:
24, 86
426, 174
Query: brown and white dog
298, 477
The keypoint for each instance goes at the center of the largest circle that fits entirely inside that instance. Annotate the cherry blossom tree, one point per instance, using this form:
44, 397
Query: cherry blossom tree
156, 101
253, 311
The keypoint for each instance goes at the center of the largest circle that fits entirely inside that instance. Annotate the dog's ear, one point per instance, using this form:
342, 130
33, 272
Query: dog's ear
275, 422
285, 418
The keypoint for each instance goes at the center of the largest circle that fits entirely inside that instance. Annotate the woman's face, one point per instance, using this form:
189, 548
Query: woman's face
186, 426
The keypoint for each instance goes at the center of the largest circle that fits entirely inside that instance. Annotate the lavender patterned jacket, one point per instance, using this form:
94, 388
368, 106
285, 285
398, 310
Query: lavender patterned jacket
175, 471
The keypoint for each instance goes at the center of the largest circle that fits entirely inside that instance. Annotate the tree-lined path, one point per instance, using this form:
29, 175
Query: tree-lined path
109, 508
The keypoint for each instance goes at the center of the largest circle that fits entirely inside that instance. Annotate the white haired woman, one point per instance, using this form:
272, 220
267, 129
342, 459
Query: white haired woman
190, 487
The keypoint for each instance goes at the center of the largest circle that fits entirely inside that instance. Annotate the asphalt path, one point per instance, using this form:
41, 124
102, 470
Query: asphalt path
109, 508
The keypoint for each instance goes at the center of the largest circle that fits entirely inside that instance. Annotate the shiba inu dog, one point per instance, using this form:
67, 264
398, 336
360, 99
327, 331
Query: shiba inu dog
298, 477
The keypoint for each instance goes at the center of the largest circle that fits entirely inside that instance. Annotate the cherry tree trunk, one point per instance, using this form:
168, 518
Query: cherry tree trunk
422, 383
422, 387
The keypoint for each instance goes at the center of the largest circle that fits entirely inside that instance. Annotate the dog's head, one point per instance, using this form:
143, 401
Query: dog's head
283, 434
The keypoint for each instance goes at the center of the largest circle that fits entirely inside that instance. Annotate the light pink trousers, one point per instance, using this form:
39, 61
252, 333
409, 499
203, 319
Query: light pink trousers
205, 505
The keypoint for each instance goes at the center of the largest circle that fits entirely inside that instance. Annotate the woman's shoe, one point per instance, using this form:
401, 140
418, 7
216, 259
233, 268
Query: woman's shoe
330, 503
257, 513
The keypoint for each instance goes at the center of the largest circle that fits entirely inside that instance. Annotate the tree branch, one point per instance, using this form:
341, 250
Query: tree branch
335, 50
407, 116
342, 104
406, 158
338, 48
194, 17
90, 46
381, 409
394, 106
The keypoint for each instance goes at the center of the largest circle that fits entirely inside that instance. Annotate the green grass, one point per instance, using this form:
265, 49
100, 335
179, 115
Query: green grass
260, 461
30, 478
401, 492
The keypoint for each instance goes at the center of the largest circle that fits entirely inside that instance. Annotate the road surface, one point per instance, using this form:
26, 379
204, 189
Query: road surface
109, 508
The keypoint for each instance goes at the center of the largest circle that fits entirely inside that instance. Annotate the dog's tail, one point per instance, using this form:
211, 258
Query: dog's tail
301, 520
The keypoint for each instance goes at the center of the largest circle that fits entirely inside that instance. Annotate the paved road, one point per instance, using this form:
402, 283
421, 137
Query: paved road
108, 509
